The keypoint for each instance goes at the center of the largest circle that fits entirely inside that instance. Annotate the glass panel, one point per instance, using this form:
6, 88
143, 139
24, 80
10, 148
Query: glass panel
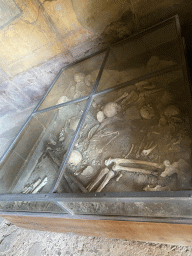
143, 54
74, 82
153, 208
146, 126
30, 207
33, 164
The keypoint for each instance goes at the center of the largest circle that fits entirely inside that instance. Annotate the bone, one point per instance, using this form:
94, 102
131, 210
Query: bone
117, 134
146, 152
75, 157
31, 187
92, 131
65, 185
108, 177
71, 184
130, 169
78, 183
111, 109
53, 158
99, 177
157, 188
125, 94
40, 186
118, 161
140, 147
100, 116
169, 169
133, 96
120, 175
132, 147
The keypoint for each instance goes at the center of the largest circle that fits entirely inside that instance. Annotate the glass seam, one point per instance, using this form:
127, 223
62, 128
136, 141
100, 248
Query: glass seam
80, 124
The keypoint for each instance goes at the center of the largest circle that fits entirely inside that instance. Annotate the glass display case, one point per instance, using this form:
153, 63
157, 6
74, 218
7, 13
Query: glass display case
111, 138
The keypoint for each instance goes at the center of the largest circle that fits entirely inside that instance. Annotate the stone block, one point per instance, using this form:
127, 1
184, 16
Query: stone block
35, 250
9, 11
48, 71
30, 85
14, 96
7, 242
8, 122
5, 106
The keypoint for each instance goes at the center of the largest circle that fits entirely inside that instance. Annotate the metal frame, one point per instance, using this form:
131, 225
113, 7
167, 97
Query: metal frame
100, 197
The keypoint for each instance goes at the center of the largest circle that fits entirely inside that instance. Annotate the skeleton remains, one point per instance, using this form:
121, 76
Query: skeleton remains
143, 127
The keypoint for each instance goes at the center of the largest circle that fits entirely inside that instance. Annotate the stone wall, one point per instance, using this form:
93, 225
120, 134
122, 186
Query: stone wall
33, 31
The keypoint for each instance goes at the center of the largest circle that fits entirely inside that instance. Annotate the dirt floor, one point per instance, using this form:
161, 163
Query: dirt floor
20, 242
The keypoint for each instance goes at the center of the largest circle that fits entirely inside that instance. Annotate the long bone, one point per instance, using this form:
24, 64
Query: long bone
96, 181
31, 187
130, 169
119, 161
108, 177
78, 183
125, 94
40, 186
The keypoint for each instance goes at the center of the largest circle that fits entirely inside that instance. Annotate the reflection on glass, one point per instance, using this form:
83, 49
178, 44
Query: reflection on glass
136, 138
140, 55
152, 208
36, 158
74, 82
30, 207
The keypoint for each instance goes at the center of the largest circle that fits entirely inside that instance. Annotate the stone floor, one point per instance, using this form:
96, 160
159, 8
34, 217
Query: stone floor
16, 241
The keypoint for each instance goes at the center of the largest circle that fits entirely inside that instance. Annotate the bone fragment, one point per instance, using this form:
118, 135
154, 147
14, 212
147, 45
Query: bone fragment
169, 169
117, 134
78, 183
100, 116
92, 131
119, 161
65, 185
132, 96
131, 169
157, 188
54, 158
125, 94
31, 187
119, 176
146, 152
71, 184
40, 186
99, 177
87, 171
108, 177
140, 147
132, 147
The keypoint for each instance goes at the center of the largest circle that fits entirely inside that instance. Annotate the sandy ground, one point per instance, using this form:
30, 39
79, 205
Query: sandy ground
20, 242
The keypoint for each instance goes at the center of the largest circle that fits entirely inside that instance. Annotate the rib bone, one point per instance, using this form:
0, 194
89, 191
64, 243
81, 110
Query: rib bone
108, 177
130, 169
119, 161
99, 177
